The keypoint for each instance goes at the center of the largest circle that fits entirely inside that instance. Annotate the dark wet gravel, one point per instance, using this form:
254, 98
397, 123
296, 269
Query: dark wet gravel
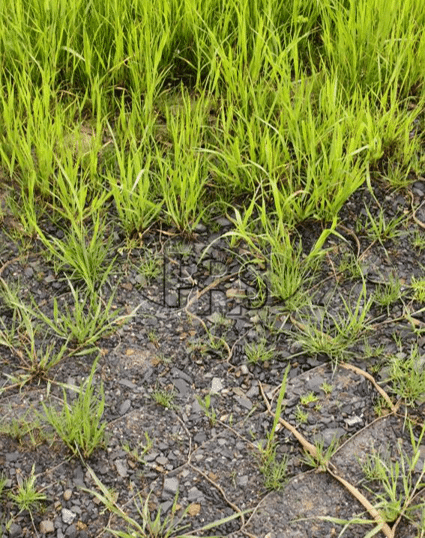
212, 463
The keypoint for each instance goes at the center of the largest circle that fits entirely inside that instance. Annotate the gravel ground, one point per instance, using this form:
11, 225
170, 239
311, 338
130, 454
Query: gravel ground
211, 462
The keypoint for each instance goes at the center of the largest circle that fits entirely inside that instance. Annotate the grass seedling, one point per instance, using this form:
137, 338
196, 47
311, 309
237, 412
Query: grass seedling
209, 410
398, 478
389, 293
381, 407
407, 376
134, 453
349, 267
88, 319
274, 472
380, 229
334, 334
301, 415
27, 497
418, 288
308, 398
259, 351
3, 482
418, 240
84, 259
80, 425
326, 387
21, 428
23, 339
164, 397
150, 266
323, 456
159, 526
153, 338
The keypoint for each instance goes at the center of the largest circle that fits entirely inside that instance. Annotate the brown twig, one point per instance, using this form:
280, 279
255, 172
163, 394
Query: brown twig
354, 491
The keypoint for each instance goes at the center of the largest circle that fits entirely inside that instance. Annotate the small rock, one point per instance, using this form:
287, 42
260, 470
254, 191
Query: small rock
352, 421
171, 485
67, 494
46, 527
71, 531
181, 386
216, 385
194, 509
67, 516
195, 495
244, 369
124, 407
242, 481
244, 402
121, 468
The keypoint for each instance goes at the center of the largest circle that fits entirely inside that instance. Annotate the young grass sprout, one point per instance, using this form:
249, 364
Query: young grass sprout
80, 425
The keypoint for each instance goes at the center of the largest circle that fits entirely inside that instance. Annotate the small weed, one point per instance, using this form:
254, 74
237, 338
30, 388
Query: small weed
27, 497
326, 387
80, 425
134, 453
418, 287
308, 398
389, 293
301, 415
323, 456
158, 526
259, 351
164, 397
407, 376
209, 410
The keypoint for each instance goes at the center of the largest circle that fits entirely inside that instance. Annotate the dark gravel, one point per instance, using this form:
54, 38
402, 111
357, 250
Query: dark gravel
212, 463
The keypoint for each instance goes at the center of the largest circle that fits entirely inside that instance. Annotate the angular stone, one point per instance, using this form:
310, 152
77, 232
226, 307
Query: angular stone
67, 516
46, 527
171, 485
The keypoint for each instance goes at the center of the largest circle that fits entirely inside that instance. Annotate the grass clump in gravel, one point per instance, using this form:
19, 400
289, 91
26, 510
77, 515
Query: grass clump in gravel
407, 376
160, 526
274, 471
394, 483
27, 497
333, 335
80, 425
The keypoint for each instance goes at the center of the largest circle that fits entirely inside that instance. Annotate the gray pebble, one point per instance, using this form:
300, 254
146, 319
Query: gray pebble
67, 516
171, 485
46, 527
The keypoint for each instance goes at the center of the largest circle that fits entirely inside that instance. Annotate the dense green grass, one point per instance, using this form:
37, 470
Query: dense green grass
137, 114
